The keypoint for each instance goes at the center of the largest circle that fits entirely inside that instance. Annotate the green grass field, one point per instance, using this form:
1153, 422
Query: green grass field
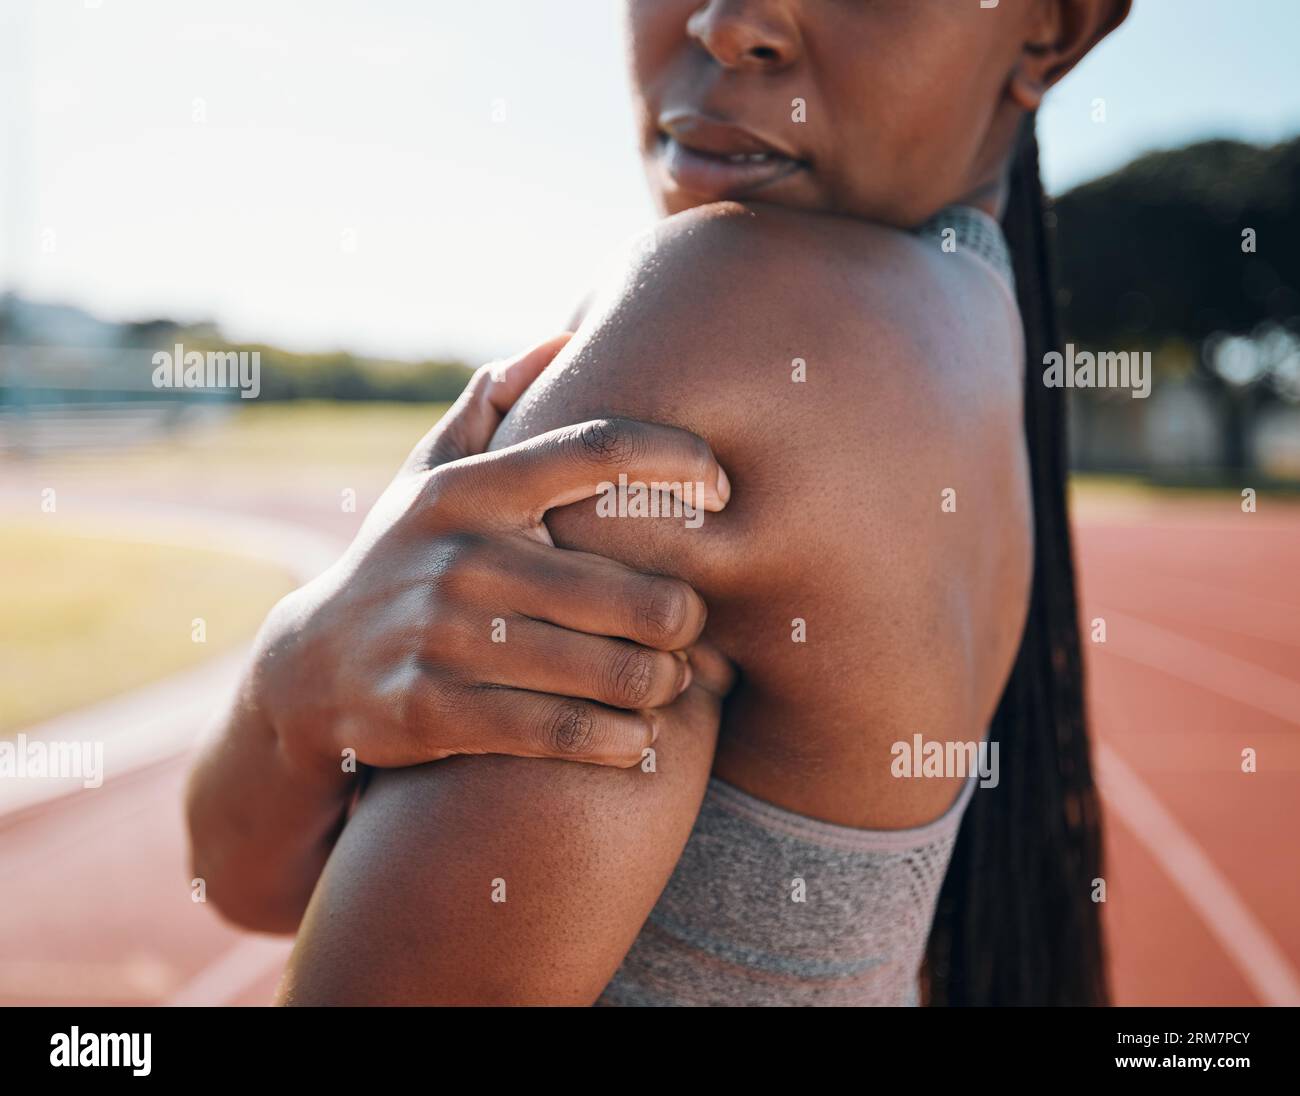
369, 437
84, 616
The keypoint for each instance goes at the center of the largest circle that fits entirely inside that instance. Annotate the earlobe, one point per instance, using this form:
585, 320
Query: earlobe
1039, 55
1027, 86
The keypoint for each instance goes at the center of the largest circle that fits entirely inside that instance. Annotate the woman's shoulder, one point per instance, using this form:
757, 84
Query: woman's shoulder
756, 312
849, 374
887, 305
864, 390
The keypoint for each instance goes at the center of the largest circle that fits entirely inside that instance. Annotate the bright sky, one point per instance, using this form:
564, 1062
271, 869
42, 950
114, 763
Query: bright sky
337, 178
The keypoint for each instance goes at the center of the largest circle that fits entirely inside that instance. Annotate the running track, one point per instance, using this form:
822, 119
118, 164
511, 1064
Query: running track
1202, 613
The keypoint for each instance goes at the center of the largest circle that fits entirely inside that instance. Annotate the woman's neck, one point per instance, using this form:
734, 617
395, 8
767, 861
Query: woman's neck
989, 197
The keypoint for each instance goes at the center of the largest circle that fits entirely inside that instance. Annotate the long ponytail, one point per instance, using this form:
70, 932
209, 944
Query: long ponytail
1015, 924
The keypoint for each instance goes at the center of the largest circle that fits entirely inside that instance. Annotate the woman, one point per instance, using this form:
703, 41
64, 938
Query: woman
831, 304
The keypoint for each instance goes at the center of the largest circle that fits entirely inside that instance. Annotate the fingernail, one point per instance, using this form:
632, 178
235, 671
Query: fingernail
679, 655
688, 675
654, 731
724, 486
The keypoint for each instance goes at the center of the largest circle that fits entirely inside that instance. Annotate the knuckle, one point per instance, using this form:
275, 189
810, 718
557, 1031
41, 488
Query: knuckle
457, 562
610, 442
631, 676
481, 384
411, 700
437, 485
440, 697
569, 728
440, 706
441, 638
662, 611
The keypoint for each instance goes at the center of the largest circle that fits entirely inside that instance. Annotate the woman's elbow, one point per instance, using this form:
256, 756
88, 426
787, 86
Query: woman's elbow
219, 880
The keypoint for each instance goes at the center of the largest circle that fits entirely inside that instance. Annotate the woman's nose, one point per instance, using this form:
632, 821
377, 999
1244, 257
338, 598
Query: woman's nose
747, 34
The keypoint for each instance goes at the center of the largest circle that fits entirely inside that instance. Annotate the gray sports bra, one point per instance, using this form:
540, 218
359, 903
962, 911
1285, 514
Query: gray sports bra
730, 928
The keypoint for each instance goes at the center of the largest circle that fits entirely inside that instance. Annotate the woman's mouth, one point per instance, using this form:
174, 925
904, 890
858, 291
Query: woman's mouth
716, 161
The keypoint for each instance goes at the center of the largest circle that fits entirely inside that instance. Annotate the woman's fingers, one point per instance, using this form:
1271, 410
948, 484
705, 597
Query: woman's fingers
577, 462
599, 596
470, 422
522, 723
713, 671
539, 657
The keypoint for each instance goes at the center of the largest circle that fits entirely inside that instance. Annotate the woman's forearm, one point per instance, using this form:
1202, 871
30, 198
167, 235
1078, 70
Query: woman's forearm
260, 828
495, 880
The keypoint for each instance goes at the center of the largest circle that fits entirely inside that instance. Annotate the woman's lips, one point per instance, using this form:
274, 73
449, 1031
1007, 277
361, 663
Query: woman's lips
717, 176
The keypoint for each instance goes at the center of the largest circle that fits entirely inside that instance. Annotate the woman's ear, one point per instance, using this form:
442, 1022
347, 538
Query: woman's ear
1059, 34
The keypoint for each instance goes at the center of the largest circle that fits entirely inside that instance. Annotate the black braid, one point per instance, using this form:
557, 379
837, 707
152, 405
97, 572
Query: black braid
1016, 924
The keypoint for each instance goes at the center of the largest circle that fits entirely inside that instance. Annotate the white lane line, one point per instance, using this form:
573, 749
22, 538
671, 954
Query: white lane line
1193, 602
165, 718
1225, 914
1201, 665
224, 979
1205, 888
139, 728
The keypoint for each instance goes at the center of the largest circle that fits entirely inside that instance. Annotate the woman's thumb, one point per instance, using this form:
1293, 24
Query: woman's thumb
469, 424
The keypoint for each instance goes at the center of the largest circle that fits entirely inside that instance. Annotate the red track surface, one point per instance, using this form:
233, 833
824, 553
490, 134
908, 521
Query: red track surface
96, 906
1180, 717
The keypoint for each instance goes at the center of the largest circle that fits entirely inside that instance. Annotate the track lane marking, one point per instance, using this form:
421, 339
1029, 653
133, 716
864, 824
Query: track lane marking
225, 978
1201, 665
1206, 889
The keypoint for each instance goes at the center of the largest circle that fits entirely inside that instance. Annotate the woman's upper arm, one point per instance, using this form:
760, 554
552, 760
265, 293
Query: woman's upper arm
494, 880
703, 336
503, 880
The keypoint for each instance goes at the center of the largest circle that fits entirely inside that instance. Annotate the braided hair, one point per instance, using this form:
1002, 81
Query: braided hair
1015, 923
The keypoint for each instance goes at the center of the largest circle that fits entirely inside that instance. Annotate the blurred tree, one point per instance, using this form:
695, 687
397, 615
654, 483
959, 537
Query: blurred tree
288, 375
1201, 243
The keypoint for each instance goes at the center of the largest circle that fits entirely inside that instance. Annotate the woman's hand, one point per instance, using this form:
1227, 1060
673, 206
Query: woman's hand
453, 626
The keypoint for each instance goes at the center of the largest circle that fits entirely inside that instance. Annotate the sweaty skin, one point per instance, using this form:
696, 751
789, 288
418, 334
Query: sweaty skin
498, 880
